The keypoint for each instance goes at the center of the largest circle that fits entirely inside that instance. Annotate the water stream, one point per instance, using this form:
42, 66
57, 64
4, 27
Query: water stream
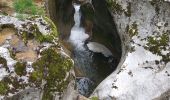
92, 67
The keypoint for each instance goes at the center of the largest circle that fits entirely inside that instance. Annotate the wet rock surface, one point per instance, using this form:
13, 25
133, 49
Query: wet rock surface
61, 12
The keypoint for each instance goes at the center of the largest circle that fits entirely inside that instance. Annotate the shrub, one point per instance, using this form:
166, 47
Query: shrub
25, 6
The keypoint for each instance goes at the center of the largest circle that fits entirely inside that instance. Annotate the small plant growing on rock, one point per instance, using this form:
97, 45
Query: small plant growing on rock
132, 30
24, 6
20, 68
3, 62
94, 98
3, 87
27, 7
53, 68
156, 45
115, 7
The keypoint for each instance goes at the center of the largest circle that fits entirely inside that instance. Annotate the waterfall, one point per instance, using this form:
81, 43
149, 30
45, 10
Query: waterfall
78, 35
82, 57
92, 67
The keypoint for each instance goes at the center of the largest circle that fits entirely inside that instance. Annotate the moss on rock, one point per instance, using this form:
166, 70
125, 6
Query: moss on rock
115, 7
132, 30
3, 87
34, 32
118, 9
53, 68
94, 98
157, 44
3, 62
20, 68
54, 31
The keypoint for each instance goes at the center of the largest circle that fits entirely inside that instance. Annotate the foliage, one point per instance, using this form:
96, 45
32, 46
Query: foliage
24, 6
3, 87
132, 30
20, 68
115, 7
53, 26
156, 45
38, 35
3, 61
53, 68
94, 98
27, 7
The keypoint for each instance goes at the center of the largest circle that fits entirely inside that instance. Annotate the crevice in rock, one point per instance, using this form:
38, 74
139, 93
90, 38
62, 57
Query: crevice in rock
61, 12
99, 25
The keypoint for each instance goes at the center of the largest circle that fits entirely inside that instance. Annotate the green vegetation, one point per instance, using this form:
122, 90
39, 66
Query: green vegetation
3, 62
115, 7
3, 87
132, 30
27, 7
94, 98
128, 12
12, 53
38, 35
53, 68
20, 68
157, 44
54, 31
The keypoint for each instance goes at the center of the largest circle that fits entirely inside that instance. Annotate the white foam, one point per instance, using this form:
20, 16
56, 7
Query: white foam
78, 35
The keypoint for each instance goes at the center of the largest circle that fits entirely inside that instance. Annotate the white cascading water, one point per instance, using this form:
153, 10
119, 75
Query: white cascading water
78, 35
83, 58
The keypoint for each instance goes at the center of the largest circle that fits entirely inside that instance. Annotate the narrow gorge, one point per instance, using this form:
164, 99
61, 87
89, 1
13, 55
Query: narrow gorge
84, 50
96, 46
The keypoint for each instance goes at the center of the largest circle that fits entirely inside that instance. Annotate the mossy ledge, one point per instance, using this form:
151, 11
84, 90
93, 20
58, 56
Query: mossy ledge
53, 68
38, 35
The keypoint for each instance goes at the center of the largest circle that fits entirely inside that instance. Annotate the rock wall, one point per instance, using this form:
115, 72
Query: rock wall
99, 24
62, 13
144, 69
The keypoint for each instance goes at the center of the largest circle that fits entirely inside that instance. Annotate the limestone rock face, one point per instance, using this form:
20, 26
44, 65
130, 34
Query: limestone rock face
144, 69
33, 65
62, 14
